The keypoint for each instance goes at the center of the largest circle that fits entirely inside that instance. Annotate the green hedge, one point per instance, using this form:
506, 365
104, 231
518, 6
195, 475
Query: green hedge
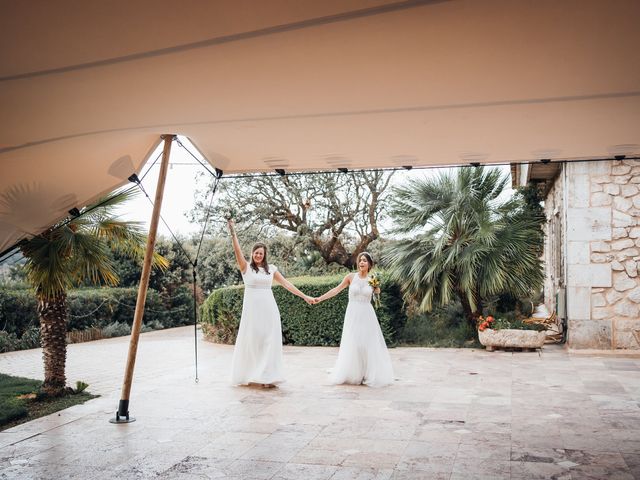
18, 311
302, 324
95, 307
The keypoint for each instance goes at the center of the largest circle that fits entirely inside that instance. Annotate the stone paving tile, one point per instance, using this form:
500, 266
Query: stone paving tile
633, 463
429, 457
319, 456
43, 471
621, 420
596, 472
230, 445
413, 475
368, 473
194, 466
465, 468
275, 449
7, 439
253, 469
451, 414
401, 429
293, 471
492, 451
344, 427
372, 459
596, 441
539, 471
627, 441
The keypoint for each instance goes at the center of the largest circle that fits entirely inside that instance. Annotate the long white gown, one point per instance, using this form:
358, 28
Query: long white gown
363, 356
257, 356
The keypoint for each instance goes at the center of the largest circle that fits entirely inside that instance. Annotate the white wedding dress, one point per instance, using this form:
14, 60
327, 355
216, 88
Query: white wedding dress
363, 356
257, 356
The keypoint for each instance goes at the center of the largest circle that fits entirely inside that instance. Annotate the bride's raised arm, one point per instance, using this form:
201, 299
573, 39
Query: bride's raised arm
337, 289
242, 262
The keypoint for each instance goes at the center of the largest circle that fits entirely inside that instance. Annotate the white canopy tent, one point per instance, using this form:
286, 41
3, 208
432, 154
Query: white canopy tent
87, 88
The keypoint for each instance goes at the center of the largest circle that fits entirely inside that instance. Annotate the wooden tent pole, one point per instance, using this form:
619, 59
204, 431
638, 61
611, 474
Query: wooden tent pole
122, 415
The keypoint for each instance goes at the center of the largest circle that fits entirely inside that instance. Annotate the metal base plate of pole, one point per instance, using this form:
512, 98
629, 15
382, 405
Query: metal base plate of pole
122, 415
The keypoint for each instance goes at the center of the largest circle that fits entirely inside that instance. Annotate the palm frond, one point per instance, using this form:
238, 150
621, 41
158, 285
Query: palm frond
68, 255
466, 240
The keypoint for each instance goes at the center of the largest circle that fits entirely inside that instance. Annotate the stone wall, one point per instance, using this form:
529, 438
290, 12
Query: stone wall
603, 235
554, 281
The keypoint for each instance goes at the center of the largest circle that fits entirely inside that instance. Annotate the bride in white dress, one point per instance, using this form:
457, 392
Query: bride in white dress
257, 355
363, 357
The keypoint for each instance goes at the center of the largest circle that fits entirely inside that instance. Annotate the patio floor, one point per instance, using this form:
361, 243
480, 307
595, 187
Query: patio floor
451, 414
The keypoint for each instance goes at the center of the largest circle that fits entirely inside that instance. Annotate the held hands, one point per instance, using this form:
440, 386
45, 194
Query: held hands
311, 300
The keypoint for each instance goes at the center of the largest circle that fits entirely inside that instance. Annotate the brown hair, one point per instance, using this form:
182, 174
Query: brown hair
265, 263
367, 256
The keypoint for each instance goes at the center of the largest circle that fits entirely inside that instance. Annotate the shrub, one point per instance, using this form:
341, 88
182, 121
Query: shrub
18, 310
92, 307
503, 323
302, 324
153, 325
110, 308
99, 307
80, 386
116, 329
30, 339
8, 342
442, 327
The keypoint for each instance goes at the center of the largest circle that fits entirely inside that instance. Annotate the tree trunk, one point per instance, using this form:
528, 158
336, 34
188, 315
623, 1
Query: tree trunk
334, 251
53, 330
469, 314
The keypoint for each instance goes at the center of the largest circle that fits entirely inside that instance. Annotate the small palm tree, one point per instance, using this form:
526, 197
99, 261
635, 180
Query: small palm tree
67, 255
463, 240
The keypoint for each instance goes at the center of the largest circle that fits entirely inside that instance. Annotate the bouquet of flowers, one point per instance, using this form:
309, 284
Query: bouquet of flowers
229, 213
374, 281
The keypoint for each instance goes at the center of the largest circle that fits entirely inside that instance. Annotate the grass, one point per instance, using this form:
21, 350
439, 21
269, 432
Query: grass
19, 404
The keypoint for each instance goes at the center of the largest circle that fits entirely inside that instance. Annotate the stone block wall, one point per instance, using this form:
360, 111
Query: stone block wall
603, 235
553, 259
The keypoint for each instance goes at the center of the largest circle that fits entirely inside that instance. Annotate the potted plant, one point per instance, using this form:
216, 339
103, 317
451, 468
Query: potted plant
502, 333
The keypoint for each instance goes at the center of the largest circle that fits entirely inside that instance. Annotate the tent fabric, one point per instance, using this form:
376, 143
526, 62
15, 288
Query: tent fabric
87, 88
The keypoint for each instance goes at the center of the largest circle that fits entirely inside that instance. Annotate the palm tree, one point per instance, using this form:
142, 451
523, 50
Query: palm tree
462, 240
68, 254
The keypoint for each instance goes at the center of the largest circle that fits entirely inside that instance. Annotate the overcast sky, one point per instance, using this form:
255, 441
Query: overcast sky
179, 191
180, 187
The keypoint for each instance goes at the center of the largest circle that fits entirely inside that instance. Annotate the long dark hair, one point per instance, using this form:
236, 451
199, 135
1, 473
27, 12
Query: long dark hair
265, 263
367, 256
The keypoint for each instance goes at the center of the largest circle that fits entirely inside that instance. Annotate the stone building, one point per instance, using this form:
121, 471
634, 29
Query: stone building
592, 248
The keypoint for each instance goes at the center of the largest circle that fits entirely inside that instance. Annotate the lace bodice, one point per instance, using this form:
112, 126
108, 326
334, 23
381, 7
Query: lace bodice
259, 280
359, 289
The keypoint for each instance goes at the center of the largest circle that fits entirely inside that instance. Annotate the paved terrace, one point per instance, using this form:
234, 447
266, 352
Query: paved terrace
451, 414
